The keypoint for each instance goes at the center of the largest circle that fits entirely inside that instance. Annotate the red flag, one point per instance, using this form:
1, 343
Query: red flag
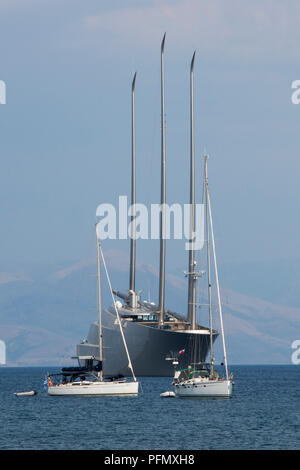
182, 351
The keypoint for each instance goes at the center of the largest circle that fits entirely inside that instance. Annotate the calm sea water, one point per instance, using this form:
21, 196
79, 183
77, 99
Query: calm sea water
263, 414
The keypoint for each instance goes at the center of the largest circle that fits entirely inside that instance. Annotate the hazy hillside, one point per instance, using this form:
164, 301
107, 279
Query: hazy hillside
277, 281
44, 315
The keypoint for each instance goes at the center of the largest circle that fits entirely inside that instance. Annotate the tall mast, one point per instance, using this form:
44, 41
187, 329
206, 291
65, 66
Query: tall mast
191, 316
117, 315
217, 283
161, 303
208, 267
132, 295
99, 304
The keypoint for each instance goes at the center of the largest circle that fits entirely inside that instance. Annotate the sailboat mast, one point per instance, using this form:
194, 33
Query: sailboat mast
208, 267
117, 315
161, 303
133, 200
99, 304
191, 316
217, 283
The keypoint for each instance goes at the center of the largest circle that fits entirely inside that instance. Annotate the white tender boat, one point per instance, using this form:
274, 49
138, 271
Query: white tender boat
168, 394
26, 394
89, 380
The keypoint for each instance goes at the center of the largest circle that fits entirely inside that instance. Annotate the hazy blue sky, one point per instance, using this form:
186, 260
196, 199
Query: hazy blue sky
65, 130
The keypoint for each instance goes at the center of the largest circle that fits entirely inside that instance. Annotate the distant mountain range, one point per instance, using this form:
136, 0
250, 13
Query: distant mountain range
43, 315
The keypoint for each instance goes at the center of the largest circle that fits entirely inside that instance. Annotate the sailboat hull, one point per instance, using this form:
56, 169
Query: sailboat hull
95, 389
148, 347
204, 389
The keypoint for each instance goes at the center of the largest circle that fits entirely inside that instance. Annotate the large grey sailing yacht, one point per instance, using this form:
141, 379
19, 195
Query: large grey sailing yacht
152, 332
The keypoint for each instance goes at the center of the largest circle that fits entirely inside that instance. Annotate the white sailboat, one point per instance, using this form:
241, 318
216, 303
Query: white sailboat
89, 380
201, 379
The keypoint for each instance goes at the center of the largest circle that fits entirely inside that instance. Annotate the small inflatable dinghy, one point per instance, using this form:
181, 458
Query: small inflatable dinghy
168, 395
26, 394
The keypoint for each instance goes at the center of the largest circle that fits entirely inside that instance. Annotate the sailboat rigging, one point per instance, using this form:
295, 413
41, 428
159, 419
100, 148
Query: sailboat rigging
89, 380
201, 379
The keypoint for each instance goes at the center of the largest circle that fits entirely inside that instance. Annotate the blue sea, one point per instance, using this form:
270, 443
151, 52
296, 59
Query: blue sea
264, 413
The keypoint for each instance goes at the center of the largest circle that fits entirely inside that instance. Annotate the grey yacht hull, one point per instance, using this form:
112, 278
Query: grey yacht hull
148, 347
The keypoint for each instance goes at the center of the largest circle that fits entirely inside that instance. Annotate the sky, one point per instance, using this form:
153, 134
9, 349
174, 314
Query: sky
65, 127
